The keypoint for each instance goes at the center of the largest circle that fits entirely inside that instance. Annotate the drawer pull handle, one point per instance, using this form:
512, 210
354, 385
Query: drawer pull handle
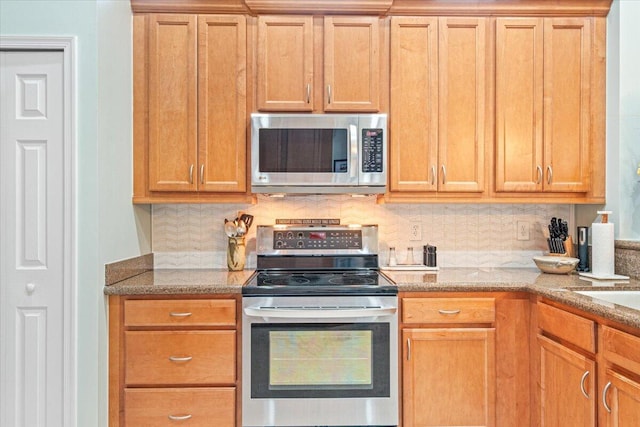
449, 312
604, 397
180, 417
582, 389
408, 348
173, 314
180, 359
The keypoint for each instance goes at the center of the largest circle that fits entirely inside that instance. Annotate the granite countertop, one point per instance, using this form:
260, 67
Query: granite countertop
553, 286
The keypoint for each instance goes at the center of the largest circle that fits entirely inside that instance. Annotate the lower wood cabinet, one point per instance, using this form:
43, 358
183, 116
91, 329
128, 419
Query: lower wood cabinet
448, 363
173, 361
567, 386
567, 368
620, 398
179, 406
449, 377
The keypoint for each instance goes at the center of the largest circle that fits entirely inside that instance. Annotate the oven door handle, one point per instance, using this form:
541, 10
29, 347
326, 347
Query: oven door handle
318, 312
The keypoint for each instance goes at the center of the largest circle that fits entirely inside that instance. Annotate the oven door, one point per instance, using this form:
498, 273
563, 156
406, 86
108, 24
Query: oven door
320, 361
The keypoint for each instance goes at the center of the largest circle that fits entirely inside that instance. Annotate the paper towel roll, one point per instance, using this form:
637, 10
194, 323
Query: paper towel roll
602, 250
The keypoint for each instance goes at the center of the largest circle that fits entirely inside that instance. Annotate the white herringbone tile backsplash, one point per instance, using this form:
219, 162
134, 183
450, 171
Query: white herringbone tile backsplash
476, 235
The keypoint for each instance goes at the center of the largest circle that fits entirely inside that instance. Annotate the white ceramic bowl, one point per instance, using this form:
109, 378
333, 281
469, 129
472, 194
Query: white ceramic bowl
556, 264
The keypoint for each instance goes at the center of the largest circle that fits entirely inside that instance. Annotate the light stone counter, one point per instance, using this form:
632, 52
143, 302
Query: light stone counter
553, 286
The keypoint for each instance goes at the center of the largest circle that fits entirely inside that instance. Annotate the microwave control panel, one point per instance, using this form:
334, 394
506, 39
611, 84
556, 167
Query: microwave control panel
372, 147
321, 239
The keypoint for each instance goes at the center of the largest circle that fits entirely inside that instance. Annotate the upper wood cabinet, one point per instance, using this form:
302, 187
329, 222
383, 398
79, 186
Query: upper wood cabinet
543, 104
285, 63
438, 104
189, 106
288, 76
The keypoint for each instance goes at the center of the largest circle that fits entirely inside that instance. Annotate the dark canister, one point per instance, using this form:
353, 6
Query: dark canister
583, 249
429, 256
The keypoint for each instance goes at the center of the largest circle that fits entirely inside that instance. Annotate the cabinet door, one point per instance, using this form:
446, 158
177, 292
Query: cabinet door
449, 377
222, 82
414, 104
519, 89
352, 63
285, 63
462, 81
567, 386
622, 397
172, 102
567, 77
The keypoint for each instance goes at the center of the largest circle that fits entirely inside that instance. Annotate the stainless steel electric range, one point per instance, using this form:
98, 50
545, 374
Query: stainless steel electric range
320, 336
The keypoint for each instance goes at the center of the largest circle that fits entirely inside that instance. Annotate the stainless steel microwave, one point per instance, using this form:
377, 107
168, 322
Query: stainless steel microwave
319, 153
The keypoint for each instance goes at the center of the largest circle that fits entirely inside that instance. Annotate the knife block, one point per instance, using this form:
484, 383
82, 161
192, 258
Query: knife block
568, 247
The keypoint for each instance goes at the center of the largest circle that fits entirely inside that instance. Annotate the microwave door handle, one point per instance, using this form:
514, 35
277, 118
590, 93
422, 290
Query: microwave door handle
353, 164
318, 312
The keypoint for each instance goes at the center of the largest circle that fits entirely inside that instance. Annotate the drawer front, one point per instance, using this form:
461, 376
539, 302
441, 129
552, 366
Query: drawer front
185, 357
190, 312
567, 326
180, 406
448, 310
621, 349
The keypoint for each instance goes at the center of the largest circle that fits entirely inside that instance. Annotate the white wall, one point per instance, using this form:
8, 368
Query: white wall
623, 122
628, 156
109, 227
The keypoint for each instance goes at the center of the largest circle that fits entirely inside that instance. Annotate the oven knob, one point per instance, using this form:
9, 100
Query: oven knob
289, 235
278, 244
300, 244
279, 236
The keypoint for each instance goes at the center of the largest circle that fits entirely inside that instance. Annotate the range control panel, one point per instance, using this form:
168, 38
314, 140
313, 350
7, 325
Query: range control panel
372, 150
317, 239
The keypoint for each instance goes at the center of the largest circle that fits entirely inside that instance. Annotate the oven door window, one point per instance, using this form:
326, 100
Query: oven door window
320, 360
303, 150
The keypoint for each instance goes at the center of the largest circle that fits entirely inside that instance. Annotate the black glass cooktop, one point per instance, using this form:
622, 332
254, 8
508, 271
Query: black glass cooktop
319, 282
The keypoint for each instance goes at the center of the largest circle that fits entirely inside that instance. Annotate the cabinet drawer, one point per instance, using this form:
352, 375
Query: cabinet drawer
448, 310
190, 312
621, 349
179, 406
186, 357
567, 326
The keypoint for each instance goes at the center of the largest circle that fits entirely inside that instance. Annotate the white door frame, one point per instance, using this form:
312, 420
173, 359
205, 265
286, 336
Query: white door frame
68, 47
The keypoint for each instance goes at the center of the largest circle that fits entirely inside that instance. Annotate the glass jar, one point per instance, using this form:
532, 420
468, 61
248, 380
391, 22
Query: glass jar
236, 253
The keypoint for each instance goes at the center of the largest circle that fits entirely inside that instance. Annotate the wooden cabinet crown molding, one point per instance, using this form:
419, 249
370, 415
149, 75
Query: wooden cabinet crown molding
382, 7
189, 6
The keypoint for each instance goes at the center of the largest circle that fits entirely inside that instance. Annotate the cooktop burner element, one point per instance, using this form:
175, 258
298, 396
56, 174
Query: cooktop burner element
318, 260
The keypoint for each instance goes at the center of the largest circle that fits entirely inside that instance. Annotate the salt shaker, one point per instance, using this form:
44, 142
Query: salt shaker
392, 257
410, 260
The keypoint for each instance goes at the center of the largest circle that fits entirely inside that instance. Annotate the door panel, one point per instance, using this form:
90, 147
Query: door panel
414, 104
32, 249
462, 83
172, 103
222, 57
567, 77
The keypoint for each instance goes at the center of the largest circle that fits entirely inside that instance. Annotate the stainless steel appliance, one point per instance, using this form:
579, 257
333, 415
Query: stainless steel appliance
318, 153
320, 330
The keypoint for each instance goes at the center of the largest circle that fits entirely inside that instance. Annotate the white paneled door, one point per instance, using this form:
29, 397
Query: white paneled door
34, 293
